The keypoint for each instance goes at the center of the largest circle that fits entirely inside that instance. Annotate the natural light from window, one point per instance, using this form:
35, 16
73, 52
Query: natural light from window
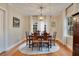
41, 26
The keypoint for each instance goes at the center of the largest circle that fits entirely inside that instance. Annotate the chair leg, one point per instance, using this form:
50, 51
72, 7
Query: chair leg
39, 46
29, 43
54, 43
32, 47
50, 44
48, 47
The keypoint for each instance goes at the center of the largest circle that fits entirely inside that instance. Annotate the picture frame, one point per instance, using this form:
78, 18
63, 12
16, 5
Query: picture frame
16, 22
53, 24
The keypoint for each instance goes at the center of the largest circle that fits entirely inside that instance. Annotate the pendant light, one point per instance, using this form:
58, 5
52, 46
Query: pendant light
41, 16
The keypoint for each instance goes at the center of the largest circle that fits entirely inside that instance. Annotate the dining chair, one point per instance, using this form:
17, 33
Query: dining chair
35, 41
30, 38
50, 40
45, 41
26, 36
54, 37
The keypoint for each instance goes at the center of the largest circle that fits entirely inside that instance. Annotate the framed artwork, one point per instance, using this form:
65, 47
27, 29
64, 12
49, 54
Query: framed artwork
53, 24
16, 22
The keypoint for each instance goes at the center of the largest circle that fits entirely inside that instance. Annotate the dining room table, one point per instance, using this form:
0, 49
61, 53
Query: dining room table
40, 40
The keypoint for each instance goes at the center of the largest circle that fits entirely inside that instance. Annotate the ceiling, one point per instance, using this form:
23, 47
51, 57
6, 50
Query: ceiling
34, 8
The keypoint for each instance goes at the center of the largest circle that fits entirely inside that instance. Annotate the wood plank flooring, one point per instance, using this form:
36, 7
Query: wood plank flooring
64, 51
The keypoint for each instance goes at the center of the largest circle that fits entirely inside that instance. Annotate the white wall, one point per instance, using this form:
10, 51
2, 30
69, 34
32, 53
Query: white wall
27, 24
59, 26
2, 46
14, 35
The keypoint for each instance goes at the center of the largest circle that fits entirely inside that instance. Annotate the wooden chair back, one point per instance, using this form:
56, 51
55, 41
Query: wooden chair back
35, 36
45, 36
54, 35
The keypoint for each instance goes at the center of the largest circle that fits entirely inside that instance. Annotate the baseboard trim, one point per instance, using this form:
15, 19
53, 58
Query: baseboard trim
11, 47
2, 52
65, 45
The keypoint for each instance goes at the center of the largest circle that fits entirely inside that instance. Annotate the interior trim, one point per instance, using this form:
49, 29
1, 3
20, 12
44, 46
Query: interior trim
65, 45
68, 8
14, 45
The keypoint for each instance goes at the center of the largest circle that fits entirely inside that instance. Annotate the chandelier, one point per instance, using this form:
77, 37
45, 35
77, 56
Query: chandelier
41, 16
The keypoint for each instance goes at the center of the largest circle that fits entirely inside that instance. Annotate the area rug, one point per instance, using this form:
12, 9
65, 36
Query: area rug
26, 50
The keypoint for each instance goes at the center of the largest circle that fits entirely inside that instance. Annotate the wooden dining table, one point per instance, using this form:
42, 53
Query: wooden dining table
40, 40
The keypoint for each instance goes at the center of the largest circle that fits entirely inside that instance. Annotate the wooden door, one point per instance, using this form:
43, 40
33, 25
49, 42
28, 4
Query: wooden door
76, 37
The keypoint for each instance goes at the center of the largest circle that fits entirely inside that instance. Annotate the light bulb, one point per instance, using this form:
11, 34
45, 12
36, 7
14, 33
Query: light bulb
41, 17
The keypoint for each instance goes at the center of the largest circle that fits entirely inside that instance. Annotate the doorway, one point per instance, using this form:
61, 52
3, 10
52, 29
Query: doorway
76, 36
2, 39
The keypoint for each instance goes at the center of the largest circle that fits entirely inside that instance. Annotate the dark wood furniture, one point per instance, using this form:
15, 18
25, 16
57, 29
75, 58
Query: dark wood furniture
35, 40
26, 34
76, 36
54, 37
30, 38
40, 41
46, 41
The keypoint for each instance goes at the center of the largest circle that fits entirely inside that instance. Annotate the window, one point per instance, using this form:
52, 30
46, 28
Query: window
41, 26
70, 26
35, 27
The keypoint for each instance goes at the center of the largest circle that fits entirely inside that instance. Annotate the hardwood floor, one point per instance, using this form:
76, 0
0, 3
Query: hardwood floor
64, 51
